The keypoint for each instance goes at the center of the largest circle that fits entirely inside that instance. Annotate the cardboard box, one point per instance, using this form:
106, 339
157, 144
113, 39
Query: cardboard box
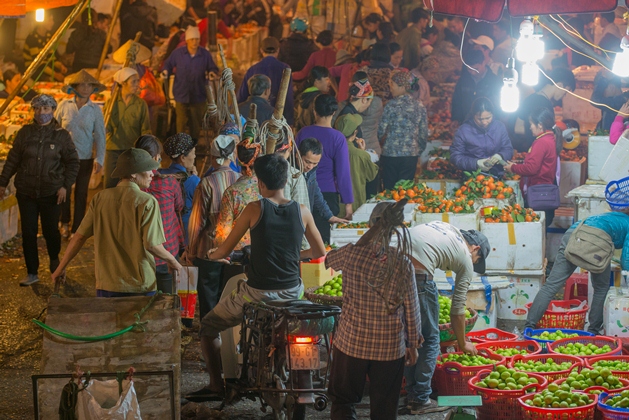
524, 287
516, 246
573, 175
465, 221
314, 273
8, 218
616, 166
599, 149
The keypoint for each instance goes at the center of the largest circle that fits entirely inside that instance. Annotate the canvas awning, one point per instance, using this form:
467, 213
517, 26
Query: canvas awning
18, 8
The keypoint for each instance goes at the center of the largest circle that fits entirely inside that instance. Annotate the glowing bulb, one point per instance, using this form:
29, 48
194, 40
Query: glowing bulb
529, 47
39, 15
510, 94
530, 74
621, 62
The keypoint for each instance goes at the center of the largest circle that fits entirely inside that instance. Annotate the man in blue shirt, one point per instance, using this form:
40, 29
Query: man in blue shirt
614, 226
192, 65
273, 68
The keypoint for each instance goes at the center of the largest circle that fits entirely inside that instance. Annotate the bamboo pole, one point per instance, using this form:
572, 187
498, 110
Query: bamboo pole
253, 110
76, 12
110, 32
212, 25
116, 92
278, 113
232, 92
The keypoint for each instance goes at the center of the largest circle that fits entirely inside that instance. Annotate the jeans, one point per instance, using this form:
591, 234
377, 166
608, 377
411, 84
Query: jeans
323, 225
397, 168
209, 284
111, 158
31, 210
562, 269
164, 279
347, 383
80, 195
192, 115
418, 377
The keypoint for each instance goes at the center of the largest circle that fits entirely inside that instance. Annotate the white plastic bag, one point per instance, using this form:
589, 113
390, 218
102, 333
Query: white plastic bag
100, 401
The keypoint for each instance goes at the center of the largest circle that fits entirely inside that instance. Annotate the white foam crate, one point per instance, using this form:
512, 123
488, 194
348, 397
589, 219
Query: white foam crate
363, 213
573, 175
599, 149
589, 200
516, 246
464, 221
616, 166
449, 186
525, 285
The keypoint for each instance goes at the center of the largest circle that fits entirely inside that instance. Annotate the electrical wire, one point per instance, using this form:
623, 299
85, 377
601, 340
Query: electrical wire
579, 96
576, 34
461, 47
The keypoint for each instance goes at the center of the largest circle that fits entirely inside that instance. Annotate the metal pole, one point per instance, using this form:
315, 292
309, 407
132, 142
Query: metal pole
103, 55
76, 12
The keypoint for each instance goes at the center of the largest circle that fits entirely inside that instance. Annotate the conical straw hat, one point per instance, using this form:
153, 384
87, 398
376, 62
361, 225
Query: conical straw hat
121, 53
82, 77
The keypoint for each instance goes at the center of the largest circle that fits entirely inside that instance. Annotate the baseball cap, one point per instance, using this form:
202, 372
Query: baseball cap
484, 40
270, 45
474, 237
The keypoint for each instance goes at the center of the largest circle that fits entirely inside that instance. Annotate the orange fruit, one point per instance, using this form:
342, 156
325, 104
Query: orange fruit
528, 218
480, 178
500, 196
488, 220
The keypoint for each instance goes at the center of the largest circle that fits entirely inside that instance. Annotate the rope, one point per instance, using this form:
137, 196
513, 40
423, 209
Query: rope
225, 85
284, 132
137, 324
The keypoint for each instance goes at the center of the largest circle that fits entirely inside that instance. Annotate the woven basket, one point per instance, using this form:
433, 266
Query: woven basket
322, 299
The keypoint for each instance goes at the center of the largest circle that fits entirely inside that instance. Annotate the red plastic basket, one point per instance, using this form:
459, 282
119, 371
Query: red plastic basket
502, 404
451, 377
624, 382
490, 334
577, 363
576, 413
532, 346
573, 320
606, 412
599, 340
589, 362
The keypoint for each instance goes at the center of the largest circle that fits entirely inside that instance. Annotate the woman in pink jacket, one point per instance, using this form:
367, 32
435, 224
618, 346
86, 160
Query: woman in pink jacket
620, 124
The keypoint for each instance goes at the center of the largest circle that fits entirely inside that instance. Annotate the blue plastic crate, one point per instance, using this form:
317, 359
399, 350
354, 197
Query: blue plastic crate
528, 333
609, 412
617, 194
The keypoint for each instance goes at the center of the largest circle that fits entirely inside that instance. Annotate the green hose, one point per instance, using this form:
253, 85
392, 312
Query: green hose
136, 324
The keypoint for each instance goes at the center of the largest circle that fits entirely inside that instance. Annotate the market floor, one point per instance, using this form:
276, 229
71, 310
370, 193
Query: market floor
21, 341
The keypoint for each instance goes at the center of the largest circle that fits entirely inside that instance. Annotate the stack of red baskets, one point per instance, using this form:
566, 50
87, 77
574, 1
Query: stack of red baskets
570, 319
451, 378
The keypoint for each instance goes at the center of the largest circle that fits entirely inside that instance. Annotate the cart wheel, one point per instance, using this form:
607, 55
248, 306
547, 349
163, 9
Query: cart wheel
321, 403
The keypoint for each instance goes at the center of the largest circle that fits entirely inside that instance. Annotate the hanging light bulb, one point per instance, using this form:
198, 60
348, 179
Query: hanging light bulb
39, 15
510, 94
530, 74
530, 46
621, 62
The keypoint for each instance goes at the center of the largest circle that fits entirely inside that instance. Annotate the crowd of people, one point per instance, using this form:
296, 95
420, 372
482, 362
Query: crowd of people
360, 124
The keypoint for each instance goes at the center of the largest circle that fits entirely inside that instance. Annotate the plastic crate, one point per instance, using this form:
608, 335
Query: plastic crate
574, 320
577, 363
531, 346
529, 333
490, 334
539, 413
610, 413
624, 382
589, 362
617, 194
502, 404
451, 378
599, 340
446, 332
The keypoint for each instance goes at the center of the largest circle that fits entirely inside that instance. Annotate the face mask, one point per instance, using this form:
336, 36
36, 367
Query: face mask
43, 119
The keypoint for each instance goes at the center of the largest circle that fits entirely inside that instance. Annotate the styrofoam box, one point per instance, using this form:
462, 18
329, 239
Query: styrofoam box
524, 287
573, 175
8, 218
487, 320
589, 200
515, 184
516, 246
449, 186
465, 221
616, 313
599, 149
494, 202
617, 164
363, 213
342, 237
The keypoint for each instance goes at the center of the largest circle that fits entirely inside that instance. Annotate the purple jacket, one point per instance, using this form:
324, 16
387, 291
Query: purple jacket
472, 143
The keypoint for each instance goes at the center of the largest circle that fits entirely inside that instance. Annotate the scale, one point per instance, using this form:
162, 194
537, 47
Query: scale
461, 401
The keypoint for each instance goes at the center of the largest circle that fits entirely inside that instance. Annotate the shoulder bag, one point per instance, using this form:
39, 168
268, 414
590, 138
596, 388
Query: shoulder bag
590, 248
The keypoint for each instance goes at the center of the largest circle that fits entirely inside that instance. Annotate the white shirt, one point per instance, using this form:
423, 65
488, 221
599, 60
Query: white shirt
439, 245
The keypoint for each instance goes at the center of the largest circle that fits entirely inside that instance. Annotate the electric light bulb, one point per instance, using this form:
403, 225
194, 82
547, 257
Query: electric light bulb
529, 47
530, 74
39, 15
510, 94
621, 62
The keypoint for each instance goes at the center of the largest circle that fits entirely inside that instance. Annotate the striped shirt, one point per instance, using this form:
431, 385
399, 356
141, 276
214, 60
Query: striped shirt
234, 200
167, 192
33, 44
366, 329
86, 126
206, 206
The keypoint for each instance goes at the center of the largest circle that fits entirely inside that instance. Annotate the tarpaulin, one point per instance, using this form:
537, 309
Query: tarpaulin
491, 10
18, 8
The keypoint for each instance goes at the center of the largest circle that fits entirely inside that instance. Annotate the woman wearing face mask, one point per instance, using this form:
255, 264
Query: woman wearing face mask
167, 192
84, 120
45, 162
482, 141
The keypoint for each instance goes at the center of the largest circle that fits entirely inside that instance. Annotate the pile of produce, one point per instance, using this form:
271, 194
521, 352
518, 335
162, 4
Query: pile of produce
410, 190
510, 214
569, 156
443, 205
556, 396
332, 287
442, 169
596, 377
539, 366
482, 186
508, 352
439, 118
619, 401
509, 379
553, 336
445, 303
619, 365
466, 359
580, 349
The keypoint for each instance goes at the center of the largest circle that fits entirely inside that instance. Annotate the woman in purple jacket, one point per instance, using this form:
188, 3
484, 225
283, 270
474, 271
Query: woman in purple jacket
482, 141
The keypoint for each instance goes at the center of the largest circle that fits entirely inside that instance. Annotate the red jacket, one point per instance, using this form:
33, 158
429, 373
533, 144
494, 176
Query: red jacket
540, 164
325, 57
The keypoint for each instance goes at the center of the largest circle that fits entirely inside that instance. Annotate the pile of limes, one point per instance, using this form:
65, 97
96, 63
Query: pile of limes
509, 379
595, 377
620, 365
466, 359
332, 287
556, 396
580, 349
508, 352
619, 401
549, 365
445, 305
553, 336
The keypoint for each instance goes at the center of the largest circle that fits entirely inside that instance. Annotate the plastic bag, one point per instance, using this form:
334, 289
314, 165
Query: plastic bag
151, 90
100, 401
186, 279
